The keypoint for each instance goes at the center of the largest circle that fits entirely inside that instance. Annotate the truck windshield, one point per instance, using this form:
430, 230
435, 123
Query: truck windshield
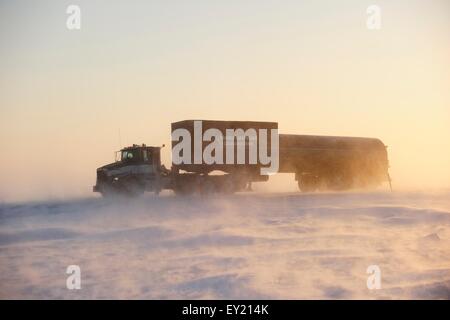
128, 155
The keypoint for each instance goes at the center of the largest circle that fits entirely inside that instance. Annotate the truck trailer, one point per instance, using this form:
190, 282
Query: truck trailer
318, 162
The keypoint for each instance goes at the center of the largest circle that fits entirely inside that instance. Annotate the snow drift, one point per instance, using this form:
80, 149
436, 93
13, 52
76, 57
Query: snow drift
245, 246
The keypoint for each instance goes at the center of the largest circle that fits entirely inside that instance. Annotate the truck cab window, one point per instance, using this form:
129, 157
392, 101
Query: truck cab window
147, 155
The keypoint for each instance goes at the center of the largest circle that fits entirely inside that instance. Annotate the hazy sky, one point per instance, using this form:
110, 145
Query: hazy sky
137, 66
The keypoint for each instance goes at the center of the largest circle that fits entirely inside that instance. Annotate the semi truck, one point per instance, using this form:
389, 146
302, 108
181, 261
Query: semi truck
318, 162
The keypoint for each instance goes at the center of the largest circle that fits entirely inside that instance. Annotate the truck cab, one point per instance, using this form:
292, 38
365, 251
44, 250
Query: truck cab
137, 169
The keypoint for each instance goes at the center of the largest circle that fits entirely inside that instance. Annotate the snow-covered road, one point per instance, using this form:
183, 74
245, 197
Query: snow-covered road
245, 246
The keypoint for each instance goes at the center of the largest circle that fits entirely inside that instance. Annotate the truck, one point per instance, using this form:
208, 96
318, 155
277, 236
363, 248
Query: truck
318, 162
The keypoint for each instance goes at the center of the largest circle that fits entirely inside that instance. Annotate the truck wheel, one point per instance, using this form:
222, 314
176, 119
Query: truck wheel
186, 187
208, 187
108, 194
228, 185
109, 191
131, 188
135, 192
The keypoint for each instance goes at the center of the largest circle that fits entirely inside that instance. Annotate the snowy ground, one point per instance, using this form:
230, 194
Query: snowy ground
246, 246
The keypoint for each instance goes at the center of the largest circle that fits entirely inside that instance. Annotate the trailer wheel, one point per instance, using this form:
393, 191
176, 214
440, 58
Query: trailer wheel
308, 183
340, 181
